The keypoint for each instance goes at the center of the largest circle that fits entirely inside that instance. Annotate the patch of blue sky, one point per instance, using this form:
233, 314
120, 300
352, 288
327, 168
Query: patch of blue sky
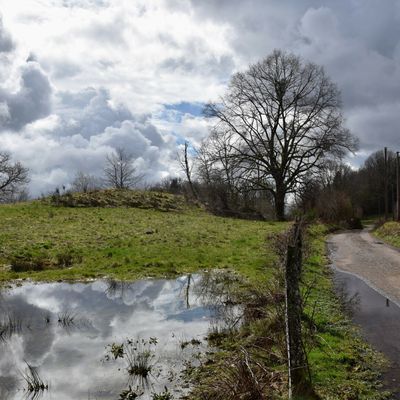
180, 141
182, 108
169, 118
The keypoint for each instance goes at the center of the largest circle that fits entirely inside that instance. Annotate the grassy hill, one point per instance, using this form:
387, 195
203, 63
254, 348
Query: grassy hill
125, 235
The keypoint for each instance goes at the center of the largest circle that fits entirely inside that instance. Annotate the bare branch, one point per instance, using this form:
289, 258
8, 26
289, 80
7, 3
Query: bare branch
13, 177
119, 171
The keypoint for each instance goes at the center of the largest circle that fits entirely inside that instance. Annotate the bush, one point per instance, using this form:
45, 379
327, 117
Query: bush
334, 206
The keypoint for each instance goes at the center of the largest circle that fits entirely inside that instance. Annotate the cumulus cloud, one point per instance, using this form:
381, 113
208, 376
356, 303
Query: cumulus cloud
131, 74
144, 52
84, 128
185, 121
88, 112
31, 102
25, 90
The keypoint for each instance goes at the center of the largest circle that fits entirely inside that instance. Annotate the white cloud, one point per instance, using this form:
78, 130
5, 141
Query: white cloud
87, 128
105, 73
6, 43
144, 53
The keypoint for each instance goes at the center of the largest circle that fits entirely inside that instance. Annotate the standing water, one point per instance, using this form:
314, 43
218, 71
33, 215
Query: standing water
379, 319
98, 340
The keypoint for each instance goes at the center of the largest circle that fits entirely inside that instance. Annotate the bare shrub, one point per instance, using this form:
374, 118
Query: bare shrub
334, 206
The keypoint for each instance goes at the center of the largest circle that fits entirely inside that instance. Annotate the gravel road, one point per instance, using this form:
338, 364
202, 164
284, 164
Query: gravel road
378, 264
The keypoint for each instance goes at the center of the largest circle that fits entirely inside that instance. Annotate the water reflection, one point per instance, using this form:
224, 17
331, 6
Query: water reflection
379, 320
64, 330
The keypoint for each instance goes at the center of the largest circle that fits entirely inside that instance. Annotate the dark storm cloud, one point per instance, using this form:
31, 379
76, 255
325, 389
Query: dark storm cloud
31, 102
357, 41
376, 23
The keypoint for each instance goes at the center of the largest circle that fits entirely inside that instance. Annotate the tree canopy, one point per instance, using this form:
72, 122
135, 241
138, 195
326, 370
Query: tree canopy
277, 123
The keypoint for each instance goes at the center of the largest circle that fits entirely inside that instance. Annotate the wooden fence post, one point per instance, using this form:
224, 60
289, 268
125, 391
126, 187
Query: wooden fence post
299, 382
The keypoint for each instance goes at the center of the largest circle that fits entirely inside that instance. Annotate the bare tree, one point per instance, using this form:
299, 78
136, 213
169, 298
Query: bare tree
85, 182
119, 170
281, 119
13, 177
187, 167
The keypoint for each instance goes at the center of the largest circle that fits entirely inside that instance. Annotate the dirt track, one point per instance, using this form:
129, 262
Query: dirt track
359, 253
378, 265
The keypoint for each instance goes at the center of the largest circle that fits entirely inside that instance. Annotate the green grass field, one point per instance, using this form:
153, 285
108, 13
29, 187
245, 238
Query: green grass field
126, 243
166, 237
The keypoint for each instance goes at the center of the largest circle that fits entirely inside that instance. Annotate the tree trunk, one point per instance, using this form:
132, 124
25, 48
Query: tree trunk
280, 204
188, 172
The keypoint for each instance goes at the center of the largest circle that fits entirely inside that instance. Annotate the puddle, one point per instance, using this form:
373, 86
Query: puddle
64, 330
379, 320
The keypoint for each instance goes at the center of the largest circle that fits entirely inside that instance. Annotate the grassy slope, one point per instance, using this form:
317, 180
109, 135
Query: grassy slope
390, 233
117, 242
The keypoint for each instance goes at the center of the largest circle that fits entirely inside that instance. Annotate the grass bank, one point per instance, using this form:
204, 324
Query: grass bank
343, 366
251, 361
389, 232
132, 237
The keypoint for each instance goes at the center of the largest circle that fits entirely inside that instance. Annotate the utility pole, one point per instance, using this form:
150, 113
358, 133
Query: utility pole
398, 186
386, 184
393, 200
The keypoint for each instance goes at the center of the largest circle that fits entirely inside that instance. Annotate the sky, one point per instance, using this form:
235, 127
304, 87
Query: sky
79, 78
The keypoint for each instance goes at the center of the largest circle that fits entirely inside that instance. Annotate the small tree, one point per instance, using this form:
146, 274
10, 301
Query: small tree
119, 171
187, 167
13, 177
85, 182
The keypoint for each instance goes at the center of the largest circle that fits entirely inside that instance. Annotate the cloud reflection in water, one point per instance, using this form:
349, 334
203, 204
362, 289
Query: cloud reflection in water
70, 353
